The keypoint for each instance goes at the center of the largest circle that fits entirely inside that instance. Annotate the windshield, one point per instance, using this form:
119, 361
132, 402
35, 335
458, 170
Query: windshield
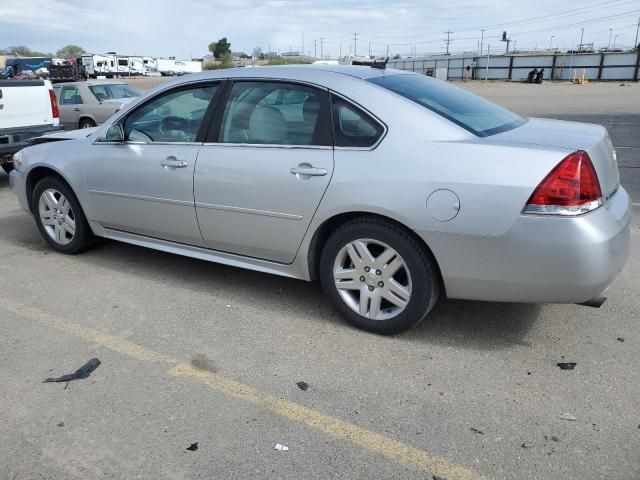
474, 113
115, 91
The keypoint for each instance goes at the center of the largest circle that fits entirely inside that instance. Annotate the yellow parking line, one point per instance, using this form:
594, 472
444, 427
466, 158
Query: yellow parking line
332, 426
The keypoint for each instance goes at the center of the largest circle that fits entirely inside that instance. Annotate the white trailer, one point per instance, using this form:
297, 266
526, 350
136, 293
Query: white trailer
100, 65
166, 66
170, 66
188, 66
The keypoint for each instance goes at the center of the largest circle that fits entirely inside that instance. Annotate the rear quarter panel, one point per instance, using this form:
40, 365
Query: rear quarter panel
422, 153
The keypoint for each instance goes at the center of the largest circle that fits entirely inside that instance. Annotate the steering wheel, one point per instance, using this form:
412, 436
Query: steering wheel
173, 126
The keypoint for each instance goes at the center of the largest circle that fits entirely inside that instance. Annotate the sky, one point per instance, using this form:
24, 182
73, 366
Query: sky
184, 28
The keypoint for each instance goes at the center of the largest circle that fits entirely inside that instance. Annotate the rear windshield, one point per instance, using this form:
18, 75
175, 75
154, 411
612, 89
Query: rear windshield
474, 113
114, 91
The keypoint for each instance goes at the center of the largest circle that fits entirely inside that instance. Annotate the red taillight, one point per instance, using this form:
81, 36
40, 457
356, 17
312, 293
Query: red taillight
571, 188
55, 111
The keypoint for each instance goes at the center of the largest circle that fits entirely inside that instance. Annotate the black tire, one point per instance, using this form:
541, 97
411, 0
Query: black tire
7, 167
423, 273
86, 123
83, 237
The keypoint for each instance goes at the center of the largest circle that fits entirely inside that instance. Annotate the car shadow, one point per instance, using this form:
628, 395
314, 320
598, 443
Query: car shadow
464, 324
4, 179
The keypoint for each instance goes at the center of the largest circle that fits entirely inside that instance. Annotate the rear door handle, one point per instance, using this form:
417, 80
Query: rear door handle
173, 162
77, 109
304, 169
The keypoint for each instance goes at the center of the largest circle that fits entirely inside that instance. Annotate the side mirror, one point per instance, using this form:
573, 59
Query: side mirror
114, 133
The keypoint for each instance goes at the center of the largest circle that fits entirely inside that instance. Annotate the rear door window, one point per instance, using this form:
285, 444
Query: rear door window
275, 113
352, 127
70, 96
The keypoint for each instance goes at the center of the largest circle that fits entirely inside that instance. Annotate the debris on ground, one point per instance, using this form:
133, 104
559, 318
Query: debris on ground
80, 374
280, 447
302, 385
567, 416
61, 424
475, 430
620, 339
567, 365
437, 477
204, 363
527, 445
193, 447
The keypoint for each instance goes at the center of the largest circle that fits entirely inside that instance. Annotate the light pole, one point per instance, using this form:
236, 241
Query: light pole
551, 42
614, 40
609, 44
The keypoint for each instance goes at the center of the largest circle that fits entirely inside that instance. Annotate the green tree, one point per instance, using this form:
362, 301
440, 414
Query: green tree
22, 51
70, 51
220, 47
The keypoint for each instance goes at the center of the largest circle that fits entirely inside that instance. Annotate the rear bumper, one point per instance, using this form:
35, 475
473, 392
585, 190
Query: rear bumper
541, 259
15, 139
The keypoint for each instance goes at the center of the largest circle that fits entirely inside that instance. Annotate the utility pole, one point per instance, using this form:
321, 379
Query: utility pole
355, 44
302, 43
609, 44
369, 49
315, 48
387, 51
448, 40
486, 75
637, 28
321, 48
581, 38
340, 55
614, 40
551, 42
481, 40
514, 46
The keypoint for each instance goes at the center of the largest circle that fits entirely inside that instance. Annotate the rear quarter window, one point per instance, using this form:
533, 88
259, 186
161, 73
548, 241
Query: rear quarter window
470, 111
352, 127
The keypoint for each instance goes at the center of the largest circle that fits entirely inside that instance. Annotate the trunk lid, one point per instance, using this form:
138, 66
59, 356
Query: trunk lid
571, 136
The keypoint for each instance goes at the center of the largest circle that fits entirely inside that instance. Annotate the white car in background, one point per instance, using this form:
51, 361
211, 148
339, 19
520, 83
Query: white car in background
88, 104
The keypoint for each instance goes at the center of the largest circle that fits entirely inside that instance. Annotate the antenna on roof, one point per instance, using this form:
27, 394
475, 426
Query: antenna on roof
381, 65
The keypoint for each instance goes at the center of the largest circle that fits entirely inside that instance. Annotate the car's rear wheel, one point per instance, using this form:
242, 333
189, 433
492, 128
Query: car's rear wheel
378, 276
59, 217
86, 123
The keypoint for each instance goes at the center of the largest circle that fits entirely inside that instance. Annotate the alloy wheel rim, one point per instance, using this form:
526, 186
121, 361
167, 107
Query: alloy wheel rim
372, 279
57, 217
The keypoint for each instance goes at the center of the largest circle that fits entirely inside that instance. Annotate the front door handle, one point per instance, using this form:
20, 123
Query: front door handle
307, 170
173, 162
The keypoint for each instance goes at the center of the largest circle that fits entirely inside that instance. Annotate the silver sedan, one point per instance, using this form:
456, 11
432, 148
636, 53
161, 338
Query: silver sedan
91, 103
389, 187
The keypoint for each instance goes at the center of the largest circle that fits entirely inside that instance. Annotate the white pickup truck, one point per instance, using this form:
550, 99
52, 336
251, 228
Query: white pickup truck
28, 109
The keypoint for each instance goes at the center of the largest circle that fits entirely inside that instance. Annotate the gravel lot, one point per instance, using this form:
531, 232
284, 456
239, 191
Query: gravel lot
198, 352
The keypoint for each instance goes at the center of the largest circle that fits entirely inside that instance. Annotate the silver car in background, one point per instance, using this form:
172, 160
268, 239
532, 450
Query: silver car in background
389, 187
91, 103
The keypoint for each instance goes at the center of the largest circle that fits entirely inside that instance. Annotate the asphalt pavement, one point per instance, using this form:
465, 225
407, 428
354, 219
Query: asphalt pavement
194, 352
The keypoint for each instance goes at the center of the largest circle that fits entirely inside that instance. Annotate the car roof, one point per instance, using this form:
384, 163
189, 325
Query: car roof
300, 72
90, 82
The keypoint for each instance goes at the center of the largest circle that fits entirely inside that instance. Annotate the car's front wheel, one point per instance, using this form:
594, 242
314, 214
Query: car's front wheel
378, 276
59, 217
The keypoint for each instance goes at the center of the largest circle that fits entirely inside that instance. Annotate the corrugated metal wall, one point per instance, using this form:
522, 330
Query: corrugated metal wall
595, 66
